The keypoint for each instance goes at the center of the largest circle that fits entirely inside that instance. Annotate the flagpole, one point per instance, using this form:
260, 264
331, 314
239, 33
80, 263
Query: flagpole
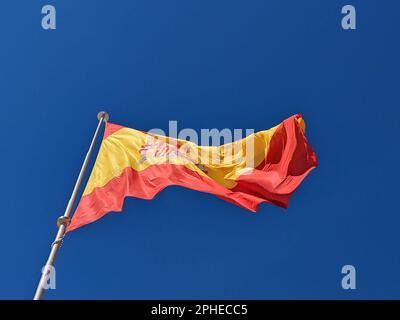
63, 221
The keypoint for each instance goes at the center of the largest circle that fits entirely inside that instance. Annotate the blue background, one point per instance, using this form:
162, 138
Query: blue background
207, 64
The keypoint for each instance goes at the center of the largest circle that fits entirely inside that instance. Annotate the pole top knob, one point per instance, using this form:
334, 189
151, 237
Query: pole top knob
103, 115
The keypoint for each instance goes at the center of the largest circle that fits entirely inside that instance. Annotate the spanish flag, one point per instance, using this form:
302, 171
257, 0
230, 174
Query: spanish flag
266, 166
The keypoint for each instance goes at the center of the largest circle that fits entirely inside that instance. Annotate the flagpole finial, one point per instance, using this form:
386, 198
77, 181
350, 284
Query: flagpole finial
103, 115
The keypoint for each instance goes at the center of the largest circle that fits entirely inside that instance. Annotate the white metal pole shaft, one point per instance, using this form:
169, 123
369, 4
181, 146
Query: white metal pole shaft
63, 221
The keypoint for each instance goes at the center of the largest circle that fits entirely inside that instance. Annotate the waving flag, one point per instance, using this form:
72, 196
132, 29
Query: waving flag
263, 167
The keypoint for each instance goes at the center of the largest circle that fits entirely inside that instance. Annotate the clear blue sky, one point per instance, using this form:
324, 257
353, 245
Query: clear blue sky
207, 64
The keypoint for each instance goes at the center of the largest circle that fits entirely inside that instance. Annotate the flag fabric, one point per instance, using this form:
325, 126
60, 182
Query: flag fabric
138, 164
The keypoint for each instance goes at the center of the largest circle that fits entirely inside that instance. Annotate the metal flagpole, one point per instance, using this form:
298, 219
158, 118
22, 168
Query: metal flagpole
63, 221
